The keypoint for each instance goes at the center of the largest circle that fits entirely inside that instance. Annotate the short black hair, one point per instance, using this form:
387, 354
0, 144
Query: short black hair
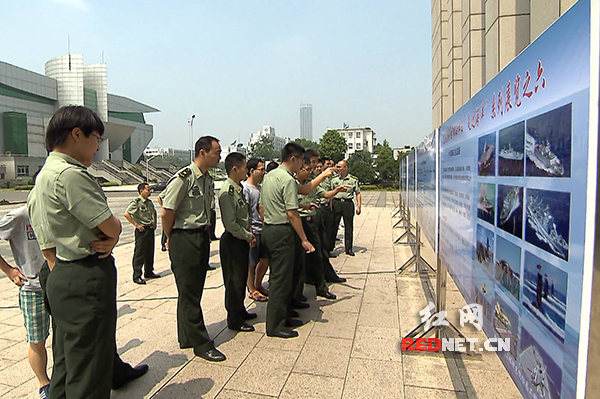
68, 118
234, 159
321, 160
252, 163
272, 165
204, 143
291, 150
306, 161
325, 159
311, 153
142, 186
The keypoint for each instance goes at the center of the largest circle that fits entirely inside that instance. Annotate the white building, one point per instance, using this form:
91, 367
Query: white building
268, 131
400, 151
306, 122
166, 152
233, 147
358, 139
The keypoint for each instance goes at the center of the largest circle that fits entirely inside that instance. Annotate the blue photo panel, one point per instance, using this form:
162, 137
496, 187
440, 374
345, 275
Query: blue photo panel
486, 155
510, 209
545, 294
548, 221
506, 322
508, 267
484, 250
511, 152
548, 143
486, 202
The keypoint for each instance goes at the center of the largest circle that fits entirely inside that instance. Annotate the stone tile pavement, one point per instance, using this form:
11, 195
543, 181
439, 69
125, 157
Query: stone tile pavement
348, 348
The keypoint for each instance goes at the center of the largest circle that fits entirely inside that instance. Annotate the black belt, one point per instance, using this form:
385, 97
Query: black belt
196, 230
342, 199
307, 218
89, 258
276, 224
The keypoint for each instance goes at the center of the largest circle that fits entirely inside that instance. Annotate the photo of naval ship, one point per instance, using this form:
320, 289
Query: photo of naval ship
486, 155
512, 150
548, 221
510, 209
548, 144
539, 369
484, 251
485, 202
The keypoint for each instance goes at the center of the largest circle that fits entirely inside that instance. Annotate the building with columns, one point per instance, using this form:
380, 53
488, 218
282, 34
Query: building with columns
473, 40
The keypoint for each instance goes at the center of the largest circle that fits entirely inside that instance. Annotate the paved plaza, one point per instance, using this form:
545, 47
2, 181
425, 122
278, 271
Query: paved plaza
348, 348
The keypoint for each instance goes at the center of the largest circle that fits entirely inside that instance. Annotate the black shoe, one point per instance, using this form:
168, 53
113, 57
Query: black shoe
212, 355
243, 328
163, 248
293, 323
326, 295
152, 275
139, 280
300, 305
293, 313
337, 279
214, 238
134, 373
211, 268
332, 255
250, 316
304, 299
284, 334
350, 252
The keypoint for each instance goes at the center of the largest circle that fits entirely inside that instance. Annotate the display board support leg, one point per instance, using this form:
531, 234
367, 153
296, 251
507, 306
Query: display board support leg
416, 259
410, 237
401, 210
440, 331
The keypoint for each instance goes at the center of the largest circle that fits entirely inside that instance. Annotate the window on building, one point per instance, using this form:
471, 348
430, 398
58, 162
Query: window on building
357, 135
358, 146
349, 134
343, 134
349, 146
22, 171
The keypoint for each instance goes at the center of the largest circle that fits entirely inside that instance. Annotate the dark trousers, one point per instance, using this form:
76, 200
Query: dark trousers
82, 296
163, 239
325, 223
280, 244
120, 368
234, 264
189, 252
143, 253
313, 261
344, 209
213, 224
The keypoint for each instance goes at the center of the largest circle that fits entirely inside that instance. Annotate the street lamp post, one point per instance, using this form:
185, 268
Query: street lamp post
148, 167
191, 123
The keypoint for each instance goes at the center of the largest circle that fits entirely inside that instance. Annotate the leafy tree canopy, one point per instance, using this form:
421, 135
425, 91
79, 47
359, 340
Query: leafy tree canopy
264, 149
332, 145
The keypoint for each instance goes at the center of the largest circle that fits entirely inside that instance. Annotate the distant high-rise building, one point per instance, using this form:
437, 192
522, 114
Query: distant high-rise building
306, 125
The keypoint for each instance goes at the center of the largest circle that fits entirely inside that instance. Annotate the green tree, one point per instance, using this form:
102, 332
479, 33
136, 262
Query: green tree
385, 165
264, 149
332, 145
360, 164
307, 144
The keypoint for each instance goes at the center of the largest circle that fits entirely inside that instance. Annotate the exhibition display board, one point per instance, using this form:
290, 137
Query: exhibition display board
427, 188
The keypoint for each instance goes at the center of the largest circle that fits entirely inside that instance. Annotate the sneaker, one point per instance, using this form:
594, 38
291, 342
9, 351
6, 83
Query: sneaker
45, 392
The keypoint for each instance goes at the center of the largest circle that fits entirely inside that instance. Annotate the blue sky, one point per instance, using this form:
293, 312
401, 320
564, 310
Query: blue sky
239, 65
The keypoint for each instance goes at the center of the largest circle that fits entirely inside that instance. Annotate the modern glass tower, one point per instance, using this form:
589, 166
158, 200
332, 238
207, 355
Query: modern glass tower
306, 123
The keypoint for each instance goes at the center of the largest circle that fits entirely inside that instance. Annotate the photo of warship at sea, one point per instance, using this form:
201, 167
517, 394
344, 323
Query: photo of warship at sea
510, 209
545, 294
548, 143
486, 151
486, 201
484, 252
548, 218
506, 323
482, 291
508, 266
512, 150
540, 370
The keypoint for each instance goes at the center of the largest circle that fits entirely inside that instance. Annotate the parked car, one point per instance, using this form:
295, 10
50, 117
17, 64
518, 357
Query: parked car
160, 186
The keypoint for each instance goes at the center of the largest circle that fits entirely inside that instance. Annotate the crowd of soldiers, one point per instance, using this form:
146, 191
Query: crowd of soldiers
283, 217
